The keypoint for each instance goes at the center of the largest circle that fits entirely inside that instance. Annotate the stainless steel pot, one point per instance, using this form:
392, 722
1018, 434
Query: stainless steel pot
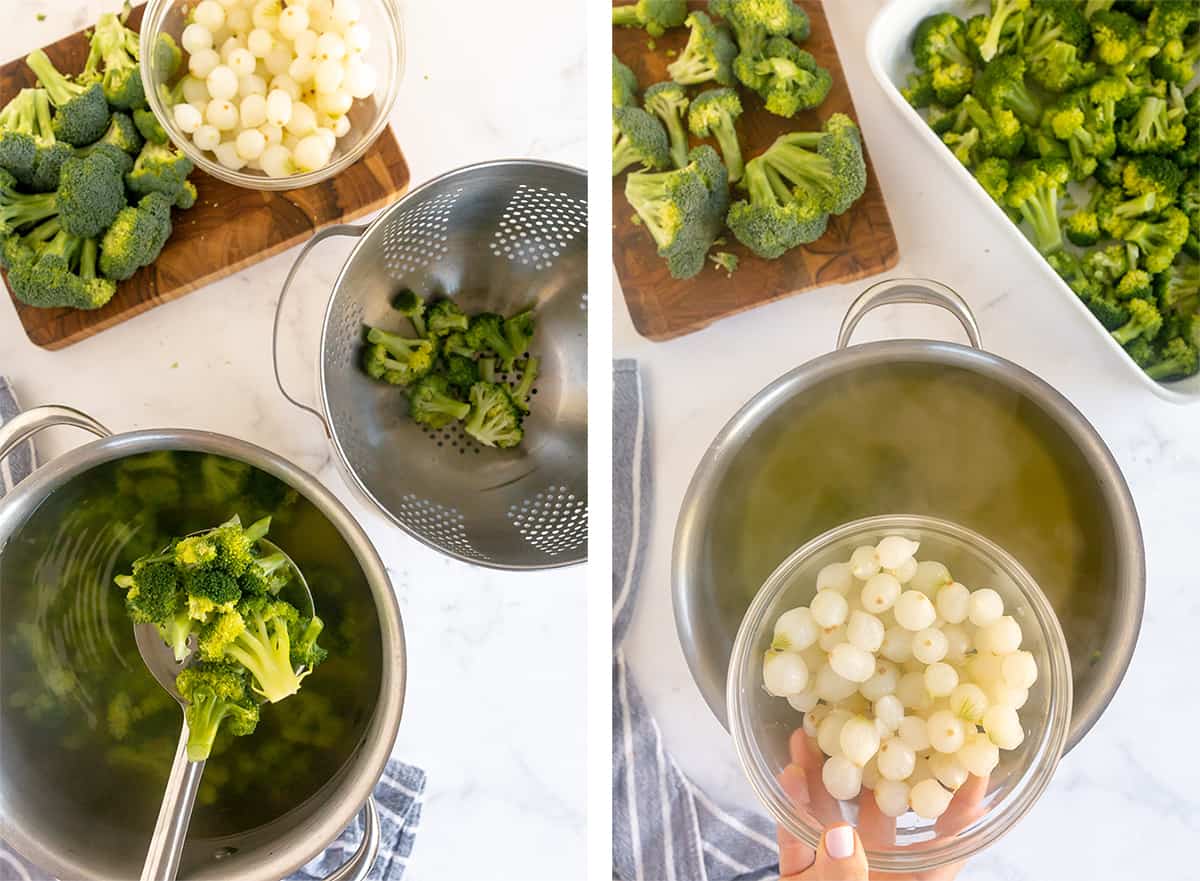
923, 427
53, 830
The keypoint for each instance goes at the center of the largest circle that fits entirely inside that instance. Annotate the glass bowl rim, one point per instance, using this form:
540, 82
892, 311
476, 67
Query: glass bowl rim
152, 16
1032, 782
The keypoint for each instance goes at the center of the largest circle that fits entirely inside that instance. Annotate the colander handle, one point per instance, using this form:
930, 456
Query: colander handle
24, 425
921, 291
342, 229
359, 865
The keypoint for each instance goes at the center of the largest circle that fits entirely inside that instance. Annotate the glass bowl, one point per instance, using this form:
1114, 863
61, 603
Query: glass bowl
763, 725
368, 117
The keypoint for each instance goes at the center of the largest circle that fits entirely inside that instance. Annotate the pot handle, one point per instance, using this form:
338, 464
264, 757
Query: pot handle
24, 425
922, 291
341, 229
359, 865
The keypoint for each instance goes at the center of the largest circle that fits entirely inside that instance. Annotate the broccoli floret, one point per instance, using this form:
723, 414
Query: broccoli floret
21, 133
1002, 84
159, 169
1000, 132
395, 359
154, 595
1178, 287
90, 195
431, 402
1155, 128
1109, 311
82, 109
123, 133
1118, 39
992, 174
1144, 321
1176, 62
1034, 192
266, 575
1111, 171
409, 304
786, 77
18, 209
63, 275
306, 653
682, 209
1178, 359
1136, 283
520, 393
149, 127
167, 57
209, 591
624, 84
456, 344
836, 173
263, 646
444, 318
461, 372
1117, 214
656, 16
939, 40
1071, 123
777, 217
714, 114
669, 102
754, 21
1001, 15
638, 136
708, 55
518, 333
494, 419
217, 696
1153, 174
1107, 95
918, 89
964, 145
117, 48
136, 237
1083, 229
1159, 240
1069, 270
486, 334
725, 261
1057, 41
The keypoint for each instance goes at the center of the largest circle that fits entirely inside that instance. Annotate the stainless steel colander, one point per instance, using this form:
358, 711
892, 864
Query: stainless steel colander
499, 236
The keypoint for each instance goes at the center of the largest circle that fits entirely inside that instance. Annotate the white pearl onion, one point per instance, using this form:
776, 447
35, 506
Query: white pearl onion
279, 107
250, 143
188, 118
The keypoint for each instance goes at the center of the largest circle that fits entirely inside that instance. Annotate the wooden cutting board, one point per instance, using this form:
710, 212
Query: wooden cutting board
859, 243
227, 230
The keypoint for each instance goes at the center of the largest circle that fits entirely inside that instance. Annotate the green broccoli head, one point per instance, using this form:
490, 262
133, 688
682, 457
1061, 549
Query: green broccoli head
1153, 174
669, 102
153, 592
1154, 128
708, 55
683, 209
159, 169
518, 333
1177, 61
1117, 213
1178, 359
1083, 228
523, 389
777, 217
940, 40
431, 402
395, 359
1159, 240
1118, 39
1000, 132
90, 195
136, 237
993, 174
1002, 85
83, 111
445, 317
63, 275
714, 114
638, 136
754, 21
786, 77
461, 372
117, 49
655, 16
411, 305
217, 697
167, 57
1034, 193
1135, 283
1057, 42
836, 174
19, 210
494, 419
1144, 321
624, 84
1004, 17
22, 134
1178, 287
486, 334
149, 127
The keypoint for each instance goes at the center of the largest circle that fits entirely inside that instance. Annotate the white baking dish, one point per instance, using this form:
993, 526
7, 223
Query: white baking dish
890, 59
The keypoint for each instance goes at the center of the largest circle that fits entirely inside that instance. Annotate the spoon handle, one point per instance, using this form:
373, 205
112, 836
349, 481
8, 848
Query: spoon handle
170, 832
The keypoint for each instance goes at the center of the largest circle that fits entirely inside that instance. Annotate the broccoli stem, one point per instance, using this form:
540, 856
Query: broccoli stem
204, 719
487, 369
624, 155
991, 41
645, 192
802, 168
731, 149
175, 633
266, 653
520, 394
1041, 213
626, 16
57, 86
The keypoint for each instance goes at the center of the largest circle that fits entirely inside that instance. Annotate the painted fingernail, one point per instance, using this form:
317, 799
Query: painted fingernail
839, 842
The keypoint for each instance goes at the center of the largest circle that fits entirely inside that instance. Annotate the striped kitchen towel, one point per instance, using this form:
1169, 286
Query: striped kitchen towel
664, 827
398, 795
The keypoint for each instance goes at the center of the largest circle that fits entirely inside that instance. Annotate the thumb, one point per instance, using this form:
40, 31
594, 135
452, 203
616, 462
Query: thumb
840, 857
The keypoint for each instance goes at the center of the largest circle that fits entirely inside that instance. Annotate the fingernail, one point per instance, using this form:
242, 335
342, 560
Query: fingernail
839, 842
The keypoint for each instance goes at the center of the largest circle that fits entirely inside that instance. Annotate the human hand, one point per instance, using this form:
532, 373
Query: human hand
841, 855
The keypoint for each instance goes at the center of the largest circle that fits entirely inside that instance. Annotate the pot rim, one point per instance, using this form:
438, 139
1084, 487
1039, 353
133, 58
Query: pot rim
697, 502
363, 770
355, 481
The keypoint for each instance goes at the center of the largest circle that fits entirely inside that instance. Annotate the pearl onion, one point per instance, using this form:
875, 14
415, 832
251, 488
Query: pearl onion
206, 137
865, 631
895, 550
305, 44
279, 107
346, 12
187, 118
276, 161
237, 20
242, 62
272, 132
940, 679
958, 643
883, 681
829, 732
201, 63
914, 611
252, 85
310, 153
929, 645
968, 702
1003, 727
831, 687
835, 576
293, 21
302, 69
361, 80
260, 42
195, 38
358, 39
329, 76
250, 145
896, 759
1019, 670
1001, 637
929, 800
897, 644
286, 84
222, 83
230, 46
265, 14
905, 571
864, 562
209, 14
221, 114
829, 608
341, 127
303, 121
930, 576
979, 755
910, 688
842, 778
891, 797
953, 601
194, 90
227, 155
338, 104
795, 630
889, 711
804, 701
879, 593
278, 60
330, 47
984, 607
914, 732
852, 663
946, 731
859, 740
784, 673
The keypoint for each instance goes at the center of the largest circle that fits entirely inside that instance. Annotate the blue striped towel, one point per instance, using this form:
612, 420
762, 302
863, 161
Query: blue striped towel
664, 827
398, 795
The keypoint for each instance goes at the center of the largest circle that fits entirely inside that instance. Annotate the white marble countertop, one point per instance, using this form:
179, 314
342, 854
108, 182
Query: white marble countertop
486, 649
1123, 804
